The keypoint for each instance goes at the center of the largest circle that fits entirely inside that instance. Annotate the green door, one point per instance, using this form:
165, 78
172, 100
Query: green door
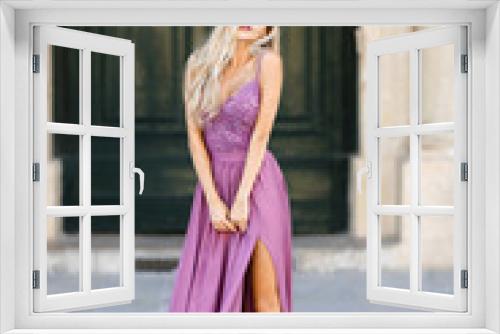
314, 137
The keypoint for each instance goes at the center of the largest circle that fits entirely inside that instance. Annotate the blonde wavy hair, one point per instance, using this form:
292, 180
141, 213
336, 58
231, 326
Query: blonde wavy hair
202, 92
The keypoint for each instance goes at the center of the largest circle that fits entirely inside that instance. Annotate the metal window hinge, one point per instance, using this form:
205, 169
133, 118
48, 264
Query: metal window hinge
464, 279
36, 171
36, 279
465, 64
36, 63
464, 171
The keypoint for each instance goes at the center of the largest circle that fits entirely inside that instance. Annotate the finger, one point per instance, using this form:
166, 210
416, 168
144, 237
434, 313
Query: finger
217, 225
243, 225
233, 221
230, 226
224, 226
239, 224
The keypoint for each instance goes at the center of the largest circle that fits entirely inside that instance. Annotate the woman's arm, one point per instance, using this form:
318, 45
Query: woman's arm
270, 85
201, 161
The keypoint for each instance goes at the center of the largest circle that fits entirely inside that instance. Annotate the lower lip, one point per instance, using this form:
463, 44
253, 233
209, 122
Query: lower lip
245, 28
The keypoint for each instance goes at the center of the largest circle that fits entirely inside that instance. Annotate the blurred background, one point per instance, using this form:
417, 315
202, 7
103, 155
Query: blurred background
317, 140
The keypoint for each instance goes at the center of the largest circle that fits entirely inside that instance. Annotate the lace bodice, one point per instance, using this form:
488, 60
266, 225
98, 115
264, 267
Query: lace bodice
231, 129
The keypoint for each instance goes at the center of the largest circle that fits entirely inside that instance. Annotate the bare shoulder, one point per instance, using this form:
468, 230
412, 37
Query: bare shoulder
271, 60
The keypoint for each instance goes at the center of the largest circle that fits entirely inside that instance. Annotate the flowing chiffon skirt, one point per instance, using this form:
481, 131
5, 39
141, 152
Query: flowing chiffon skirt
211, 275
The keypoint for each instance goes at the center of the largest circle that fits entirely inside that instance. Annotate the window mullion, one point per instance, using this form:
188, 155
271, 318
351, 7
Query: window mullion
85, 249
414, 174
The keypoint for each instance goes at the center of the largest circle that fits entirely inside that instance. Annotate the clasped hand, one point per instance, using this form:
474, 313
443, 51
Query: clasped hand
235, 219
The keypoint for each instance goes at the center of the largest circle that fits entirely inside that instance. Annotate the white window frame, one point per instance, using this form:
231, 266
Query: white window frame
483, 18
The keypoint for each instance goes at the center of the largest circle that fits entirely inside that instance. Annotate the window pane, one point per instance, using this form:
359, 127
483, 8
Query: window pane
63, 254
63, 78
63, 179
394, 89
105, 89
436, 169
436, 253
105, 171
106, 257
437, 83
394, 241
394, 181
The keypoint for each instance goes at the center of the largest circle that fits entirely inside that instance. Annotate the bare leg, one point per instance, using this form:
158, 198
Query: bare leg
263, 275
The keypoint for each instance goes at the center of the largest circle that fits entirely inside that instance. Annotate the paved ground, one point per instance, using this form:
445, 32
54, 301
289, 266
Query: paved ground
342, 291
328, 274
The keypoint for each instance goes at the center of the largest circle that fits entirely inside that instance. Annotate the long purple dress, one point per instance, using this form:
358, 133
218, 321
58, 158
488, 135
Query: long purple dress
211, 274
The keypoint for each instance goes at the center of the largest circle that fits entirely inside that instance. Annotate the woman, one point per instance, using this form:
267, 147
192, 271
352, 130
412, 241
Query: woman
237, 251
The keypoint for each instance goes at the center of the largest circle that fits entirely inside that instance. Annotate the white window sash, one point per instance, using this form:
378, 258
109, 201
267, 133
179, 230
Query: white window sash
414, 297
86, 297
